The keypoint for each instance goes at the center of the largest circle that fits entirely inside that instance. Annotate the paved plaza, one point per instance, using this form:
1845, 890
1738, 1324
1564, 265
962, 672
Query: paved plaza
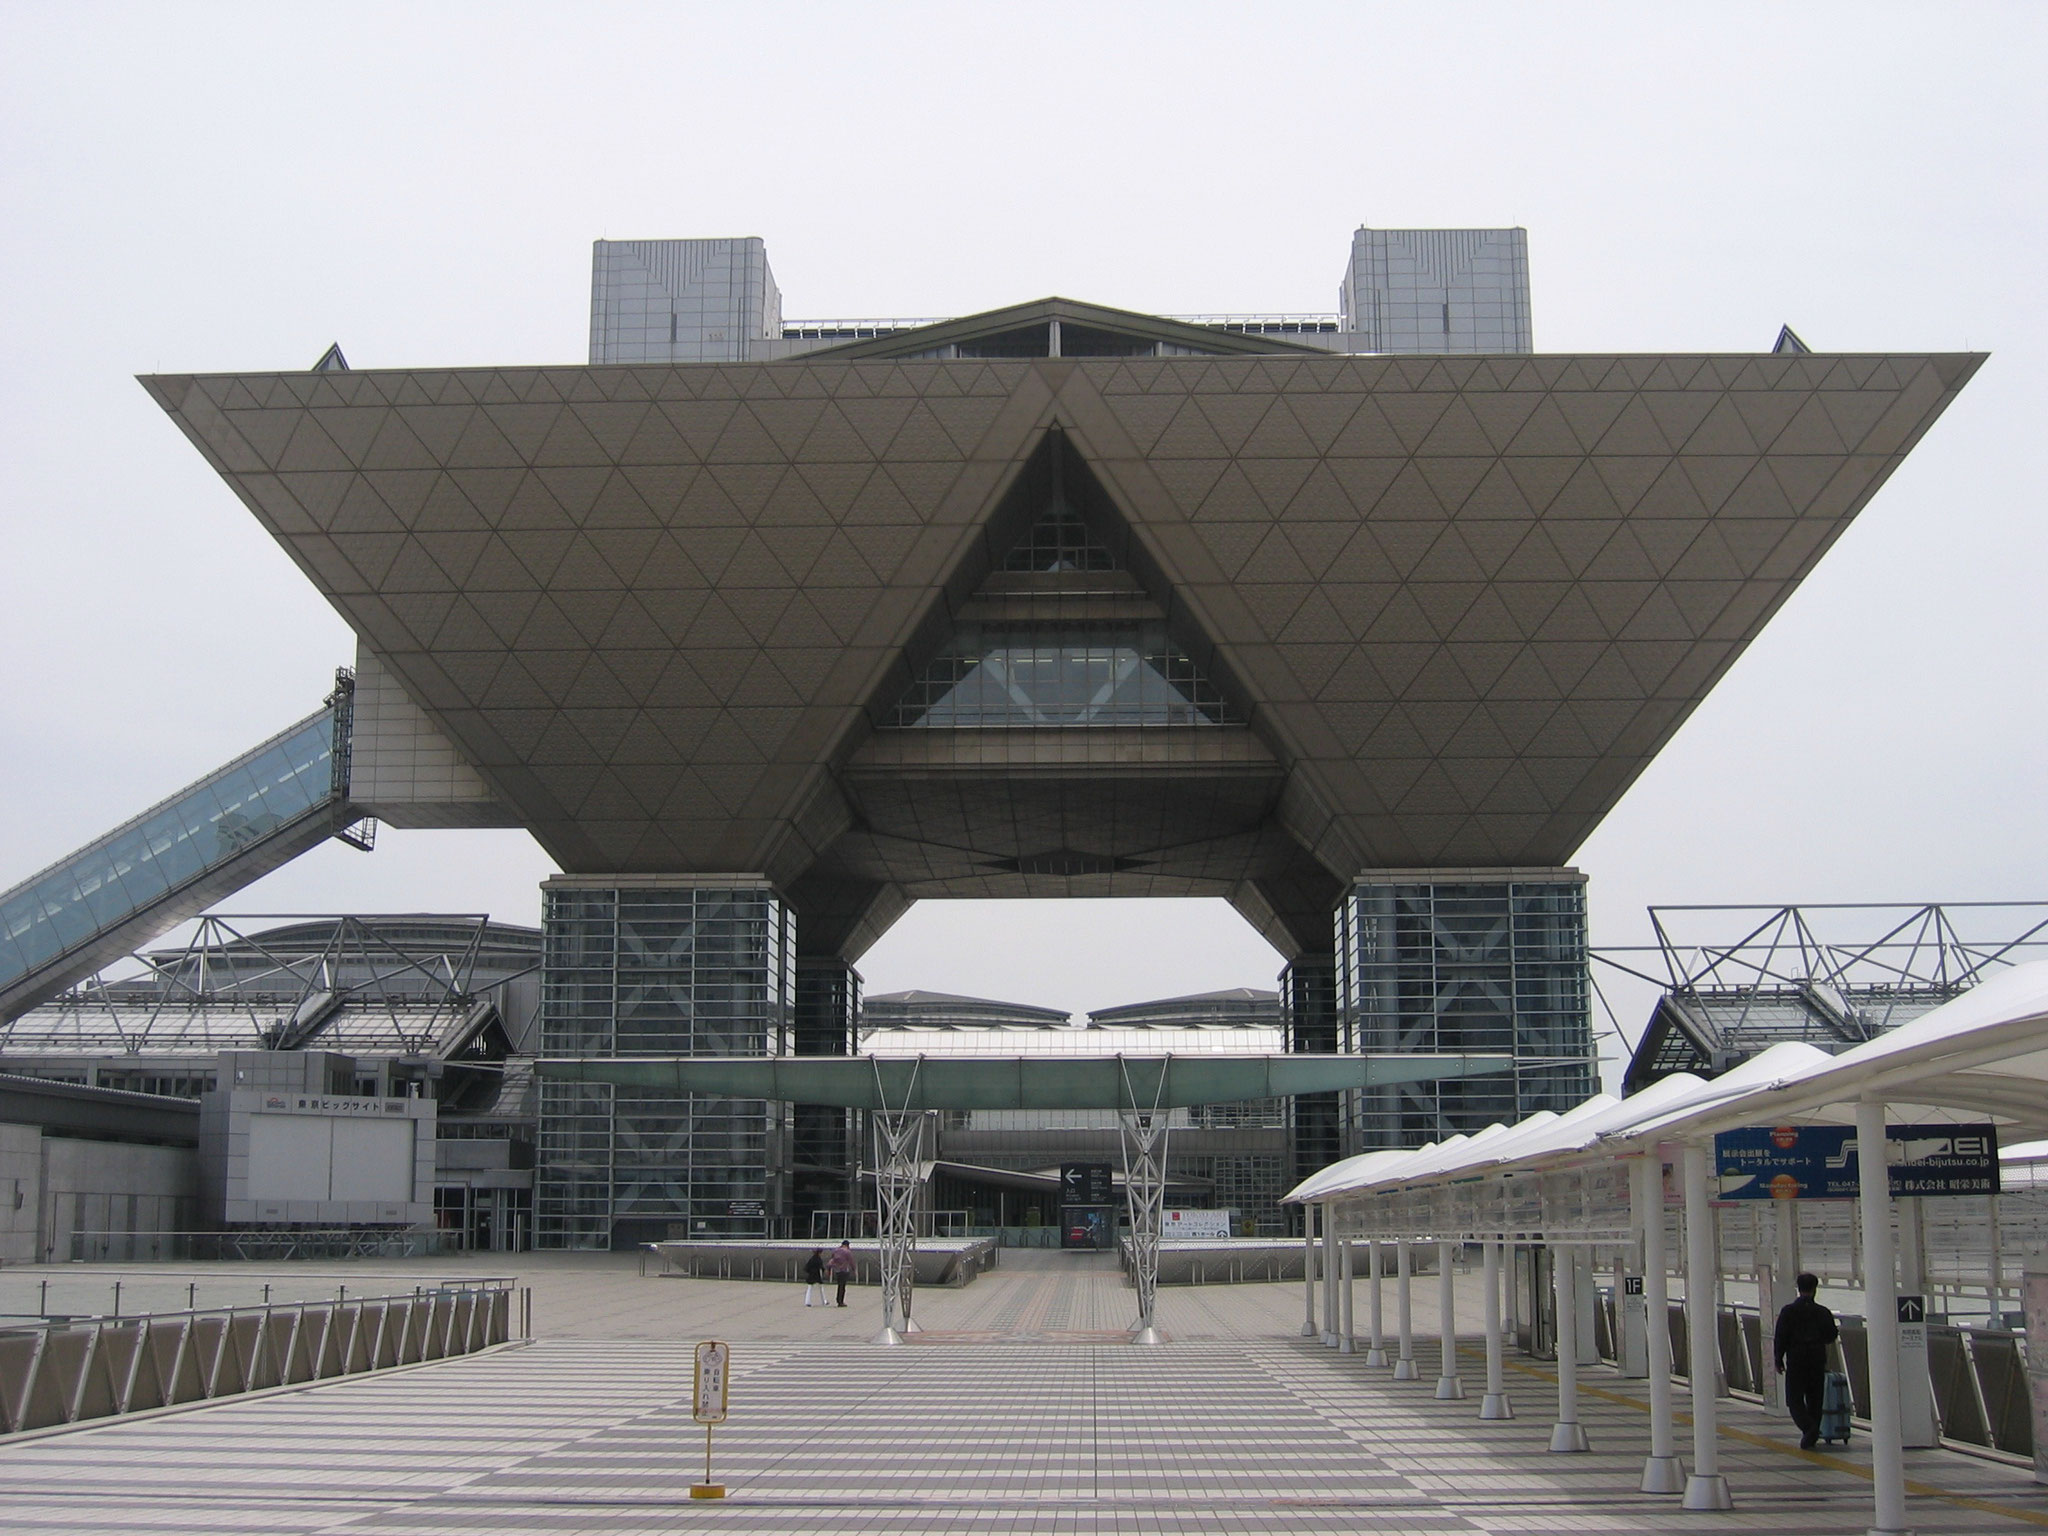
1018, 1412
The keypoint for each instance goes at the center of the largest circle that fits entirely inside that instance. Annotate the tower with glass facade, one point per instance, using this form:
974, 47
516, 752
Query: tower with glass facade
1481, 962
652, 967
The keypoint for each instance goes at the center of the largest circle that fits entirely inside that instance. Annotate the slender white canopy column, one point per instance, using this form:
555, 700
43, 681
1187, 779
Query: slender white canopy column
1330, 1339
1662, 1472
1348, 1332
1881, 1318
1376, 1351
1784, 1275
1495, 1404
1706, 1488
1308, 1268
1568, 1435
1404, 1316
1449, 1386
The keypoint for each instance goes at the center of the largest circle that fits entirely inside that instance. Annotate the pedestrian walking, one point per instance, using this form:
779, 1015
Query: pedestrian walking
840, 1267
1799, 1349
814, 1277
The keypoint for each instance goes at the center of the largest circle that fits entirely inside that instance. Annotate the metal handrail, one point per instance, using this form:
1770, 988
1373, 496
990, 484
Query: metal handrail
54, 1373
83, 1319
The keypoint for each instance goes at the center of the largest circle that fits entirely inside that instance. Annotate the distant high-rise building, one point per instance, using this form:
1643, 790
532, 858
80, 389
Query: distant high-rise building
1438, 290
681, 301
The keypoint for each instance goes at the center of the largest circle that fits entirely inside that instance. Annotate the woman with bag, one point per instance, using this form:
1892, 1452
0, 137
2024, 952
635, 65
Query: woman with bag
814, 1277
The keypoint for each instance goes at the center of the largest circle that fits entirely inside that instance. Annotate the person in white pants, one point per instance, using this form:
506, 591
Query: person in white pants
814, 1278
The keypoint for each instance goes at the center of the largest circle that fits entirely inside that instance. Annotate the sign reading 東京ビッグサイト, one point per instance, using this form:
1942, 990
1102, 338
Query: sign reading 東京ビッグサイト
1819, 1162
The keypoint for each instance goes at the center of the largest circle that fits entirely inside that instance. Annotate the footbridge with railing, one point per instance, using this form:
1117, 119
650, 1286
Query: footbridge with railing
248, 817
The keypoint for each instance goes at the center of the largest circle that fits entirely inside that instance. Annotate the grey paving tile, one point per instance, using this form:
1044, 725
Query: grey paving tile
1238, 1425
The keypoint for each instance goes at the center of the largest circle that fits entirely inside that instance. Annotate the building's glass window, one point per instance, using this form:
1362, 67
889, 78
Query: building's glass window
1060, 541
1100, 674
1486, 968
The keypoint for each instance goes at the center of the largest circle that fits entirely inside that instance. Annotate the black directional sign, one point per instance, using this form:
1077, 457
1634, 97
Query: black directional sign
1912, 1309
1085, 1184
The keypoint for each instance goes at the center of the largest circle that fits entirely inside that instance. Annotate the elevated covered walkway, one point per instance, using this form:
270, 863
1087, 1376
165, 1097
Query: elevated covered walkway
1641, 1182
248, 817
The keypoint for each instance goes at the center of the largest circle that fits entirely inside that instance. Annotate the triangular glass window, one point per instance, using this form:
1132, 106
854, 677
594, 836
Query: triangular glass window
1062, 632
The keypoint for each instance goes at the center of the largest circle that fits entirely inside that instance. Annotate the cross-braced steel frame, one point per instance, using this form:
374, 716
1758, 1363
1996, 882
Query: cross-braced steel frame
1144, 1147
899, 1169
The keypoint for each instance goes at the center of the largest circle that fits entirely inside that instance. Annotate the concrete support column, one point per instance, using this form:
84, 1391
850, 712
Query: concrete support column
1881, 1318
1495, 1404
824, 1140
1449, 1386
1661, 1471
1376, 1351
1706, 1488
1587, 1284
1568, 1435
1330, 1340
1404, 1317
1347, 1298
1308, 1268
1777, 1286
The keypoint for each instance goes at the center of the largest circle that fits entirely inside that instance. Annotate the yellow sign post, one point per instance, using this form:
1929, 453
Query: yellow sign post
707, 1405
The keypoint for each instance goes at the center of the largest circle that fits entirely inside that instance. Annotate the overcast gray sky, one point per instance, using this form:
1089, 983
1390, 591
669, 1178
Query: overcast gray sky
201, 187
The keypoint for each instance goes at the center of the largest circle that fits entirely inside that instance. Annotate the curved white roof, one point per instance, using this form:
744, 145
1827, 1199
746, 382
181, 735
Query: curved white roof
1984, 1055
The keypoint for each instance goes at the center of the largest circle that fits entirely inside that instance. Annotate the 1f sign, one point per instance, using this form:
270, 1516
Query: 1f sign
708, 1400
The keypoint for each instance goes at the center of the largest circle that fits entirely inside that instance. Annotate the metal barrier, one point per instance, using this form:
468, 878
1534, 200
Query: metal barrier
957, 1263
1979, 1375
259, 1243
62, 1372
1958, 1399
1999, 1366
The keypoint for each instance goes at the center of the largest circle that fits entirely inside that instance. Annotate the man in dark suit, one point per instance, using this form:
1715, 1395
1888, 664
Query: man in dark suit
1799, 1348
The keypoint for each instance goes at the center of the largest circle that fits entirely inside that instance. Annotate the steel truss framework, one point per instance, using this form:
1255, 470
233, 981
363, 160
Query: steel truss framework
244, 982
1735, 979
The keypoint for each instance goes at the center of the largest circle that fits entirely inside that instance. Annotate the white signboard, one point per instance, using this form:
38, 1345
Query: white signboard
1916, 1390
1176, 1223
707, 1399
1635, 1328
321, 1157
